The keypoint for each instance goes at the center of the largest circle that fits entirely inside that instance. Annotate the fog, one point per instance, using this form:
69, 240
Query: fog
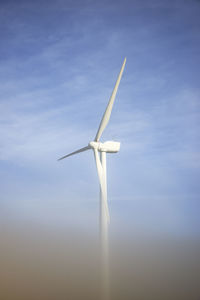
44, 262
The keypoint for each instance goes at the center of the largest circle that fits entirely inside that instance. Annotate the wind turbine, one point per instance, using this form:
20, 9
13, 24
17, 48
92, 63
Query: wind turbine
102, 149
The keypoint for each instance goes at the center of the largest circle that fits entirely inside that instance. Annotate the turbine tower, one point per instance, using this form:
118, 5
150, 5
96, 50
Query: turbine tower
100, 150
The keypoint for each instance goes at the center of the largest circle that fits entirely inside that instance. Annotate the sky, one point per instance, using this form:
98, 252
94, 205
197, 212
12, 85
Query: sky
58, 64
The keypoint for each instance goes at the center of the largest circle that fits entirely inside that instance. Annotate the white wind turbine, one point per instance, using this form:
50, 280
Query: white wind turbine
103, 148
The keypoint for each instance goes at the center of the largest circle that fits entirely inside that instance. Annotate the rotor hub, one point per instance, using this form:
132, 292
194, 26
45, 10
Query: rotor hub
109, 146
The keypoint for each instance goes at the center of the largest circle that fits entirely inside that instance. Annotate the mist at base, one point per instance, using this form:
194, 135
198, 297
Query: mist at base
53, 255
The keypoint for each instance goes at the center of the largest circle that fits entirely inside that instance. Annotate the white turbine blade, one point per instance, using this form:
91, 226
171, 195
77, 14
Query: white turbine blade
104, 180
98, 165
102, 183
108, 110
75, 152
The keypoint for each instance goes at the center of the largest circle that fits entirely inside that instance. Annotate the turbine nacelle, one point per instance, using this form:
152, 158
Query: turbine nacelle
109, 146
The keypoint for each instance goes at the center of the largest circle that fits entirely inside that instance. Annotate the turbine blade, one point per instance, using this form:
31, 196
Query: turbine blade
102, 184
75, 152
108, 110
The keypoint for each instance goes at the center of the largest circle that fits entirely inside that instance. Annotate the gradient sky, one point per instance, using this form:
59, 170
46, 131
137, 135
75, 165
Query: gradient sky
58, 64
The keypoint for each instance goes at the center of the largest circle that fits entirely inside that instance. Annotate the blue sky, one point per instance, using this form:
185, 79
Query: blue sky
58, 64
